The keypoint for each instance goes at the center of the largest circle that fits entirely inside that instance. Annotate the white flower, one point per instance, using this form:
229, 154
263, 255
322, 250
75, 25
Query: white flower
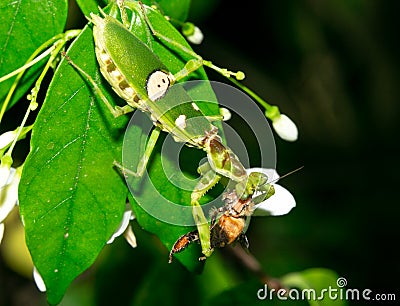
281, 203
197, 36
192, 33
125, 228
38, 280
225, 113
130, 237
7, 138
285, 128
5, 170
9, 192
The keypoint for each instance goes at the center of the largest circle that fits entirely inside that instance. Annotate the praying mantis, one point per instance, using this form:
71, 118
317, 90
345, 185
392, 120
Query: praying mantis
139, 77
74, 142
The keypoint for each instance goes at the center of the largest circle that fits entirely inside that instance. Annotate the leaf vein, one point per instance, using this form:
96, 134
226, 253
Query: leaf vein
63, 148
53, 208
14, 17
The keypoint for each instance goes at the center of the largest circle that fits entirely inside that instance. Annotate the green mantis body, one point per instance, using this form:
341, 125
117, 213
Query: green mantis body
139, 77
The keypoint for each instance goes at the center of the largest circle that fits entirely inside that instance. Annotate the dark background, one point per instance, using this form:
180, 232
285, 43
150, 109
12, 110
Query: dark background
333, 67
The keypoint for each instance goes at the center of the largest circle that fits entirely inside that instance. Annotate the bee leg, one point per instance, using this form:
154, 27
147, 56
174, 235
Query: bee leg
244, 242
214, 214
183, 242
216, 211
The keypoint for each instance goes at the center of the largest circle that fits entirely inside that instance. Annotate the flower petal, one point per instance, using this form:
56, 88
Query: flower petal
281, 203
7, 138
130, 237
5, 174
9, 194
123, 225
38, 280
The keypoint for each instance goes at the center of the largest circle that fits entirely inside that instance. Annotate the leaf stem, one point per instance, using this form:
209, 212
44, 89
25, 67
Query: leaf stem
28, 64
271, 111
57, 47
32, 60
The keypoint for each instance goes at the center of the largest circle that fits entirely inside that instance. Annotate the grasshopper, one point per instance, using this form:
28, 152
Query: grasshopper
139, 77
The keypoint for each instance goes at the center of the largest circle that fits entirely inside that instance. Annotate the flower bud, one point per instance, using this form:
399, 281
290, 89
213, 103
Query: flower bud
226, 114
285, 128
192, 33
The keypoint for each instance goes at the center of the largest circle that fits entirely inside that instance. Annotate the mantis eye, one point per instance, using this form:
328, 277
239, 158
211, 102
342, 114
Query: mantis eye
157, 85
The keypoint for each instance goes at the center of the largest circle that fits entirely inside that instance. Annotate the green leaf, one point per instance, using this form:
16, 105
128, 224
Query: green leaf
71, 198
250, 292
318, 280
176, 9
24, 26
182, 291
91, 6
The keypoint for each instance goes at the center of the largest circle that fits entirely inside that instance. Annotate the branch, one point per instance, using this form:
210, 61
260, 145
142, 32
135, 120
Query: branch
248, 261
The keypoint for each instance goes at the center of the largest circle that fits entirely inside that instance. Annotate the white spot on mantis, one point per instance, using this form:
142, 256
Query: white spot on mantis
157, 85
154, 119
116, 74
181, 121
195, 106
104, 57
129, 91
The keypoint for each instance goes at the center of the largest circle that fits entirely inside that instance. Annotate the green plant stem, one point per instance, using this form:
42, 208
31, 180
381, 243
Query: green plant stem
28, 64
268, 107
33, 104
32, 60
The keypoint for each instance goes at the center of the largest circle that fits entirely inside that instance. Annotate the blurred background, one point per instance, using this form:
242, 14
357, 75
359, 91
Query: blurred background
333, 67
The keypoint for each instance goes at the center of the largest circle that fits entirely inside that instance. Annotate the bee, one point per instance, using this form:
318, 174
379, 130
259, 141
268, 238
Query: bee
228, 223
